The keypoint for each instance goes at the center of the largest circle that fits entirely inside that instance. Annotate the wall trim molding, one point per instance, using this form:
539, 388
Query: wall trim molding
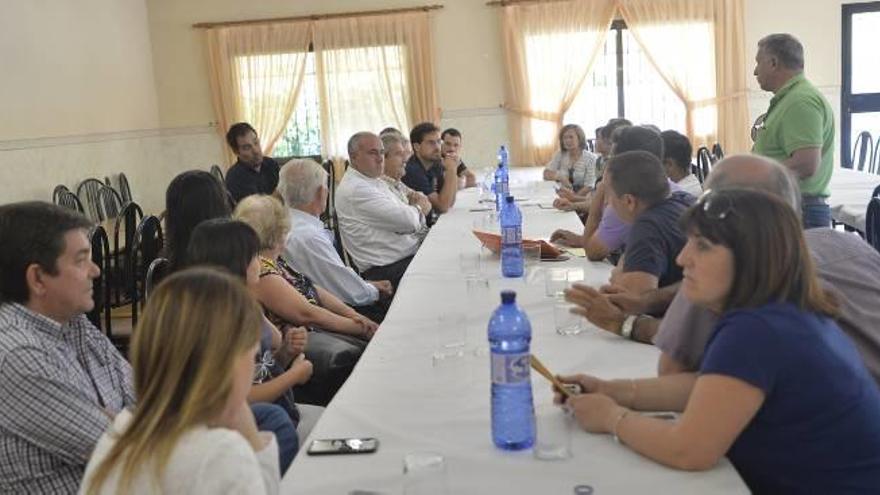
101, 137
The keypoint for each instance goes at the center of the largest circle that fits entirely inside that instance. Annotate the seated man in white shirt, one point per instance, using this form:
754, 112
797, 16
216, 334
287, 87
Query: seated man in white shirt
309, 247
380, 232
677, 151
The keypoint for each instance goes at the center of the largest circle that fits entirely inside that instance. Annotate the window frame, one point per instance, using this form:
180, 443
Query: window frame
852, 103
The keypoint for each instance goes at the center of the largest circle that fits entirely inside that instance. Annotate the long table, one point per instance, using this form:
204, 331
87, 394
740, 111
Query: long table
850, 193
397, 394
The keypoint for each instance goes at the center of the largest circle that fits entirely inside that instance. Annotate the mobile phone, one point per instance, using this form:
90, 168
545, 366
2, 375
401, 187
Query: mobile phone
339, 446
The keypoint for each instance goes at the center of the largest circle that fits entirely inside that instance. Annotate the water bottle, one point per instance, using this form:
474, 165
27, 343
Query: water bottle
503, 156
502, 186
511, 239
513, 413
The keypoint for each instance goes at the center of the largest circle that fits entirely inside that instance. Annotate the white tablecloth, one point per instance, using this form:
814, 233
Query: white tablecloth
850, 192
397, 395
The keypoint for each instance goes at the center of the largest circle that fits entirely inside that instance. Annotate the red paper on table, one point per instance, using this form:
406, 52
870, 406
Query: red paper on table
493, 242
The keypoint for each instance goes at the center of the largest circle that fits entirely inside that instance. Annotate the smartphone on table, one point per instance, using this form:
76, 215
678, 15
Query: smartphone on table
340, 446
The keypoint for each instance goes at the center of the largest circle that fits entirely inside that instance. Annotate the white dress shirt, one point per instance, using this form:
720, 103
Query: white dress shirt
204, 461
377, 228
692, 185
309, 250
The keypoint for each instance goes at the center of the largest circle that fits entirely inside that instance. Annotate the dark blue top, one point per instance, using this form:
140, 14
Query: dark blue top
818, 430
425, 181
655, 239
242, 180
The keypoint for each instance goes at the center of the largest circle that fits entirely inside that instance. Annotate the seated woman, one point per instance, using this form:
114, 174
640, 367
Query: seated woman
781, 390
191, 197
573, 166
280, 362
192, 431
338, 334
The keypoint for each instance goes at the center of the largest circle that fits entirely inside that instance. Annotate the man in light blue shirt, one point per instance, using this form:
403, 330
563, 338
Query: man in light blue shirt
309, 247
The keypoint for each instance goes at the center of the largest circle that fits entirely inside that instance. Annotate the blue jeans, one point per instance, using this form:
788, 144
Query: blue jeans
275, 419
816, 215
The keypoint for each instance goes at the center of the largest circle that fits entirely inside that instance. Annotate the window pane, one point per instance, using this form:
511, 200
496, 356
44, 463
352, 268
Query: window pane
597, 100
649, 100
302, 136
864, 122
865, 41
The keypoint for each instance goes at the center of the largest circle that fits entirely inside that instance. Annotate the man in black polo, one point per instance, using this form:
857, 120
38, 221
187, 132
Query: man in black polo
426, 170
253, 173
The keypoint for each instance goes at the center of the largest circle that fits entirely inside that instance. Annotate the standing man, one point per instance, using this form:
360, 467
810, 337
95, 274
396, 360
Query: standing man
253, 173
798, 127
427, 171
451, 146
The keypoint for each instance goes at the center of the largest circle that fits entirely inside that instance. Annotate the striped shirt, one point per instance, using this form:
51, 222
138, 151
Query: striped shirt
59, 387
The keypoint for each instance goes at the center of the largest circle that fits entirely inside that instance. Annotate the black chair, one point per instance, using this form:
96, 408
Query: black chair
109, 203
145, 247
863, 152
100, 314
872, 223
123, 239
155, 273
704, 163
717, 152
87, 192
217, 172
124, 188
874, 167
67, 199
56, 193
329, 215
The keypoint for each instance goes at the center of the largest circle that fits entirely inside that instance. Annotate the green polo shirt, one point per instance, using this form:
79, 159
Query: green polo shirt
799, 117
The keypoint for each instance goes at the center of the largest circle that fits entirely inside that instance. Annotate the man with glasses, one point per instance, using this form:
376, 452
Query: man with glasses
798, 127
380, 232
427, 170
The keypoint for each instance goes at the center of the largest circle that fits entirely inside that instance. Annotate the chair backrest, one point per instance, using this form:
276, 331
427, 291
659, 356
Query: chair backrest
217, 172
67, 199
146, 246
109, 203
874, 167
704, 163
100, 314
155, 273
329, 215
123, 240
872, 223
87, 192
717, 152
124, 188
863, 151
60, 188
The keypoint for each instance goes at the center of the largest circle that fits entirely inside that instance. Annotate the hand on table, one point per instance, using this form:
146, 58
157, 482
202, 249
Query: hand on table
567, 238
629, 303
594, 410
595, 307
563, 204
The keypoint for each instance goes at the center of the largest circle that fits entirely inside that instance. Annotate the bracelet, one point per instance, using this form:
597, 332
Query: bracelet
617, 423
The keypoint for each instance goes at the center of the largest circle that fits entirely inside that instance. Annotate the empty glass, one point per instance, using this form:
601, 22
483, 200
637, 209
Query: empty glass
554, 426
424, 473
469, 262
450, 336
567, 323
555, 281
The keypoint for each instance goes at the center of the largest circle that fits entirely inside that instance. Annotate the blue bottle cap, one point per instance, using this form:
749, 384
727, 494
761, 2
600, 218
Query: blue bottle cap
509, 199
508, 296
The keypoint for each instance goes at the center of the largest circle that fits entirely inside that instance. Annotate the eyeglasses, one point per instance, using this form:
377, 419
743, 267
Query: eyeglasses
758, 126
714, 205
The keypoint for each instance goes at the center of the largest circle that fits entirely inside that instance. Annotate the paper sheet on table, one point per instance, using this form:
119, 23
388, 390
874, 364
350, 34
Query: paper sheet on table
579, 252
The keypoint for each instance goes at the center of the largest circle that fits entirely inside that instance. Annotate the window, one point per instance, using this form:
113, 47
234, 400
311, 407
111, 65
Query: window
302, 136
860, 95
622, 82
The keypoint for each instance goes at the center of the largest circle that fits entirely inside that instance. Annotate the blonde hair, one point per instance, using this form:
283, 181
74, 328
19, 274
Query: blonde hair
267, 216
193, 324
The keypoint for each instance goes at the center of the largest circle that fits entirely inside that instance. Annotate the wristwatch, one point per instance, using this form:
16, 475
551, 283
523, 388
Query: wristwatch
626, 330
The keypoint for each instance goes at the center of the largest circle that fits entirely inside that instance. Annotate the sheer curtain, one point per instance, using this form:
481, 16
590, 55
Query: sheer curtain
256, 72
548, 50
697, 47
373, 72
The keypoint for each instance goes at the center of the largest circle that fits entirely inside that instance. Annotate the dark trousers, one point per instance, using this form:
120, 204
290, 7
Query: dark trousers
393, 272
375, 311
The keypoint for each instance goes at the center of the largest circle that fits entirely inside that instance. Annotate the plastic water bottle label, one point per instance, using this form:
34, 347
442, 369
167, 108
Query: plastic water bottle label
509, 369
511, 235
505, 189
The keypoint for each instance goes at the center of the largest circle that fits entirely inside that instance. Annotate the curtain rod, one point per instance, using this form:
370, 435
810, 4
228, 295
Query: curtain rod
317, 17
505, 3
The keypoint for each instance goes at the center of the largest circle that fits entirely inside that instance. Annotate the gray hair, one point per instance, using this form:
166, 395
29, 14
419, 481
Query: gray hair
355, 140
300, 180
390, 138
778, 180
786, 48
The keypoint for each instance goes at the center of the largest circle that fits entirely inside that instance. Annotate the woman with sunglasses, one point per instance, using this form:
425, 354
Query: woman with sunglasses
781, 391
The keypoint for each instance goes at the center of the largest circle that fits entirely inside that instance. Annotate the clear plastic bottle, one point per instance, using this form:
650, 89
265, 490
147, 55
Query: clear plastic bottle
513, 412
511, 239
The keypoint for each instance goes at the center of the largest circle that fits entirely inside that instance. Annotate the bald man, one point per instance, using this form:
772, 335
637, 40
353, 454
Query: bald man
846, 264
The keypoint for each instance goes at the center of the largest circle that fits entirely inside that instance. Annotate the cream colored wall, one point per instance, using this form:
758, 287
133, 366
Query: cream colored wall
78, 100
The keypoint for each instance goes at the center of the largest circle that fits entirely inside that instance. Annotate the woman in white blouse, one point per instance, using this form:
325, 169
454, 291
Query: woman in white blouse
573, 166
192, 430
